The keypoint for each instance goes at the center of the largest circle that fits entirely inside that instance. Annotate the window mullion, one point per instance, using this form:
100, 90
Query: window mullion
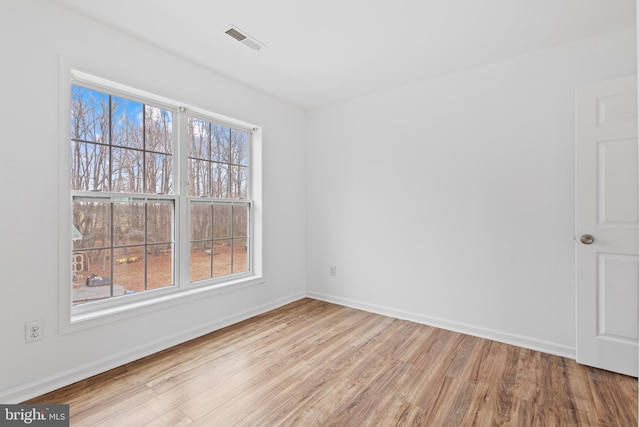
111, 244
145, 246
110, 152
183, 221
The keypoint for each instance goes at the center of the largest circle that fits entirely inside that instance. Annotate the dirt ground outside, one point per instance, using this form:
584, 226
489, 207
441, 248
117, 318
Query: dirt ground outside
128, 271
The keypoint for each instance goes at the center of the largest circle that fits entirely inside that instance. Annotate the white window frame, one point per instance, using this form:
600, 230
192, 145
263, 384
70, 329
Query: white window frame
81, 316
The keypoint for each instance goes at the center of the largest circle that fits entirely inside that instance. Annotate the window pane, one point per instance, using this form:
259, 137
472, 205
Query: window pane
199, 138
220, 181
160, 222
127, 170
201, 257
89, 167
135, 265
128, 269
159, 266
221, 258
98, 263
240, 221
240, 259
92, 281
238, 181
126, 123
158, 127
239, 147
158, 173
85, 293
89, 115
91, 225
200, 221
228, 152
221, 221
221, 143
199, 178
128, 224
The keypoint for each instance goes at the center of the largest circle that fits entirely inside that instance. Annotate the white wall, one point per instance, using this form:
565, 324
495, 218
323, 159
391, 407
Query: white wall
451, 201
34, 34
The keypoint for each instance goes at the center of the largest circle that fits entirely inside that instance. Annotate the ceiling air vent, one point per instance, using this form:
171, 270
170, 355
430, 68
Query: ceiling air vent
243, 38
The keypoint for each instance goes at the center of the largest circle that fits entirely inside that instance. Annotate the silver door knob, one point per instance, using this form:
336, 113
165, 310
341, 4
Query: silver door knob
587, 239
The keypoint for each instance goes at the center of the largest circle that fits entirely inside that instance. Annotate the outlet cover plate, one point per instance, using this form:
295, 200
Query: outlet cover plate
34, 331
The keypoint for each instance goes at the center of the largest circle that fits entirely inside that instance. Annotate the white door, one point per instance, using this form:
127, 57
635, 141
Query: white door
607, 225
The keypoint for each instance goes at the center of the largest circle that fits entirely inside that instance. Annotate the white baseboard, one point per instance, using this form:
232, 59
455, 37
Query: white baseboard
512, 339
53, 382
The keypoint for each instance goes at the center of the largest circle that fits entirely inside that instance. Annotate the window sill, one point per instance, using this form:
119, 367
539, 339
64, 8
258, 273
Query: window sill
103, 315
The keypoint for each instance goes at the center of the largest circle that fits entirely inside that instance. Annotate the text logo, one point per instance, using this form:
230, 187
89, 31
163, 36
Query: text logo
34, 415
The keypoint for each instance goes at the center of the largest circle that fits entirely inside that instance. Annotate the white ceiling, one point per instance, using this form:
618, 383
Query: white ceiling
320, 52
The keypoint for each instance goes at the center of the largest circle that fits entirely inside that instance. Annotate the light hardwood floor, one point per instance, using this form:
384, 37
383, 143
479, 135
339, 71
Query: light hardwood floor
315, 363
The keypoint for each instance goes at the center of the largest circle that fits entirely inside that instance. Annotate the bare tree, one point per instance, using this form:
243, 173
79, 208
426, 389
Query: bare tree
119, 145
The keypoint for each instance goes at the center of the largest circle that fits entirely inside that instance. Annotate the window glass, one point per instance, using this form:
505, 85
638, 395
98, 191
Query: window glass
218, 171
219, 239
120, 245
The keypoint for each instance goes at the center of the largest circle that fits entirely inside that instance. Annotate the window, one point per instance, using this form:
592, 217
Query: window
218, 171
160, 196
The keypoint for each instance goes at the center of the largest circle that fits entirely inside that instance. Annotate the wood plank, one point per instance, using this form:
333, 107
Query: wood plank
314, 363
173, 418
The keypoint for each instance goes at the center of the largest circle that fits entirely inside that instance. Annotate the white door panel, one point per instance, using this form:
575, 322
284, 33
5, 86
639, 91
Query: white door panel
617, 170
607, 209
619, 297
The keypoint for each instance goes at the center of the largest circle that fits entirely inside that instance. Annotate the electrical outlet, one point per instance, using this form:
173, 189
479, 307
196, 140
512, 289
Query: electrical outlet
34, 331
332, 270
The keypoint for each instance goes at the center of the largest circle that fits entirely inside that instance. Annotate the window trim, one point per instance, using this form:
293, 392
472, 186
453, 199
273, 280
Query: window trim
82, 316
